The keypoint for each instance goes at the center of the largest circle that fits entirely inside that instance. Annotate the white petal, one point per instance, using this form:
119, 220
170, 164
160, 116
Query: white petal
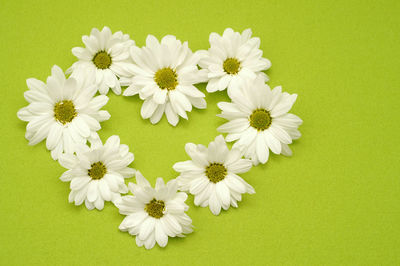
240, 166
215, 205
148, 108
286, 150
68, 161
272, 142
92, 193
280, 134
172, 117
261, 149
79, 182
146, 228
160, 96
223, 194
104, 190
155, 118
160, 235
54, 136
81, 126
198, 185
234, 126
99, 101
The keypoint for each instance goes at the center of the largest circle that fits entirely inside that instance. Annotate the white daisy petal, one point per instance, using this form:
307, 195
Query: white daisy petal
234, 126
172, 117
286, 150
262, 151
223, 194
272, 142
148, 108
214, 202
54, 136
198, 185
93, 192
240, 166
160, 235
160, 96
155, 118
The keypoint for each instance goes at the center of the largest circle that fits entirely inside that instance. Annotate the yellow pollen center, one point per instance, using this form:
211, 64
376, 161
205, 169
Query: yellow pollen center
166, 78
97, 170
260, 119
216, 172
64, 111
231, 66
102, 60
155, 208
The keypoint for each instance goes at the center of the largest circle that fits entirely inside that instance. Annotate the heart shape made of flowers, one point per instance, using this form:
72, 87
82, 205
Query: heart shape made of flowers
67, 113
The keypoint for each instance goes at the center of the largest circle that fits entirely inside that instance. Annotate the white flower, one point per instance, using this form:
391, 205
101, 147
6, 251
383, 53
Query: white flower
153, 215
163, 75
211, 175
103, 60
62, 112
233, 57
97, 173
259, 121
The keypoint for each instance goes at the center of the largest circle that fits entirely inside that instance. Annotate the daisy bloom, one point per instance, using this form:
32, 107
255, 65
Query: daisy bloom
259, 120
154, 214
103, 59
163, 75
211, 175
233, 57
62, 112
97, 173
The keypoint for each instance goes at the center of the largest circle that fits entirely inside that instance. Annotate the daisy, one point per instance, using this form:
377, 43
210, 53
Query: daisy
259, 120
103, 60
211, 175
233, 57
97, 173
153, 215
62, 112
163, 75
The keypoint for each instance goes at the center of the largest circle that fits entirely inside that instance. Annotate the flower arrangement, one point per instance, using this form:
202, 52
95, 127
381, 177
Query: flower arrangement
67, 111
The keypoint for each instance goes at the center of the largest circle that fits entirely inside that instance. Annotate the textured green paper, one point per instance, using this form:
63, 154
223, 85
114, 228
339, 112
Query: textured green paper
335, 202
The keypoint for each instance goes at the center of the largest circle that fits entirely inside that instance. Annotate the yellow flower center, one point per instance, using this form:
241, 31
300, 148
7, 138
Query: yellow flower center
97, 170
64, 111
155, 208
216, 172
260, 119
231, 66
102, 60
166, 78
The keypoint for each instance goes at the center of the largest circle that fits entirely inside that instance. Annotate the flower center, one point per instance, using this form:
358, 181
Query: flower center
216, 172
260, 119
97, 170
155, 208
64, 111
166, 78
231, 66
102, 60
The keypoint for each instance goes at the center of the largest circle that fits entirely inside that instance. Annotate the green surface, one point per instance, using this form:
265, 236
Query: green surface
336, 201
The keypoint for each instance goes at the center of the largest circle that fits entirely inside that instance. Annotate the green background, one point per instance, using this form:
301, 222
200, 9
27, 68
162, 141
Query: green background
336, 201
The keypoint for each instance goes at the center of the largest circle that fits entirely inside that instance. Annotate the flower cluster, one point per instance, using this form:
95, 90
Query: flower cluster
66, 112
